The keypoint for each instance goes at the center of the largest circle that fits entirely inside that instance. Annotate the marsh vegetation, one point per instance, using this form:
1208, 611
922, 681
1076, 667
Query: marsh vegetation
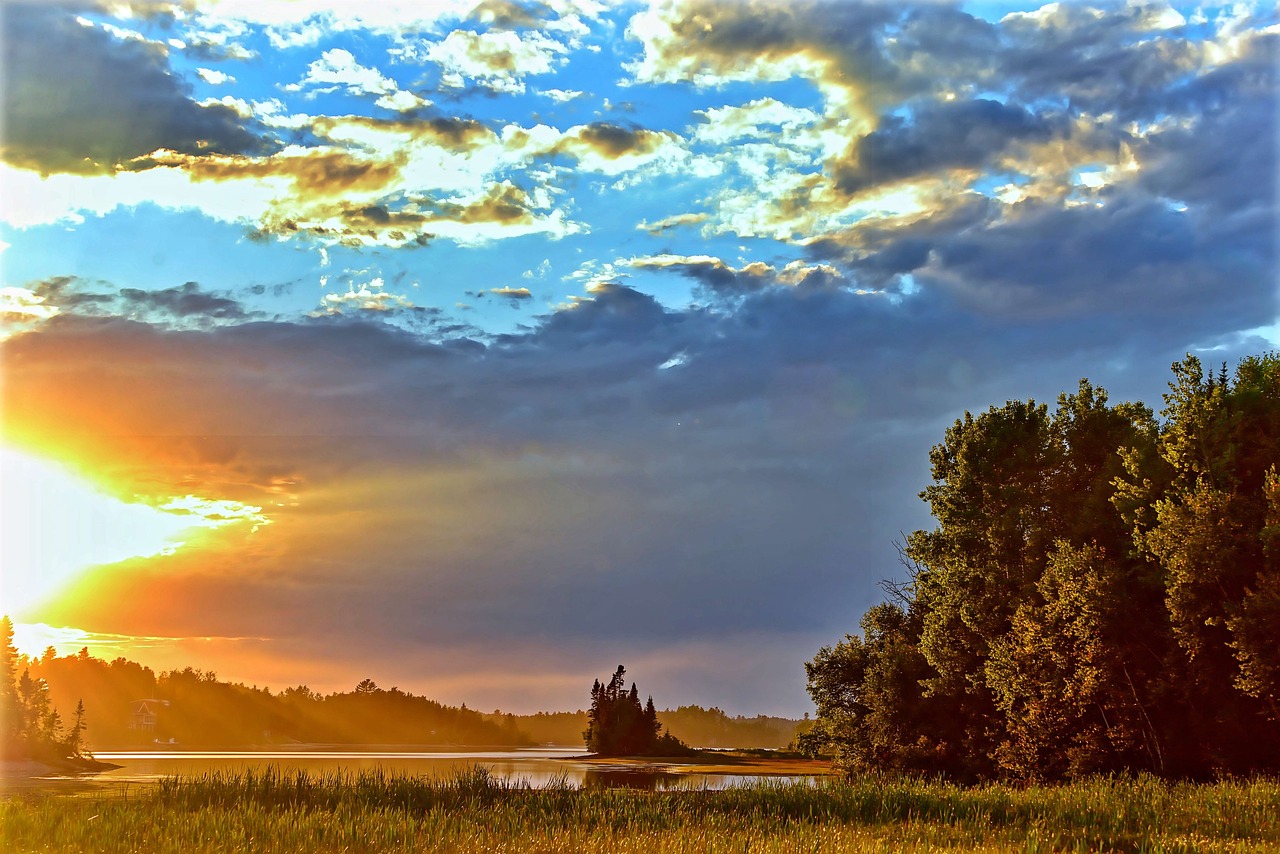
474, 811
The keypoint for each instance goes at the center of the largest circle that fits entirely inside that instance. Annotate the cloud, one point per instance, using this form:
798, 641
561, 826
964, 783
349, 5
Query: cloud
712, 273
213, 77
614, 141
940, 136
712, 44
722, 280
1114, 58
370, 296
612, 149
103, 102
338, 68
762, 117
497, 60
562, 96
670, 222
185, 306
317, 172
515, 295
184, 302
508, 15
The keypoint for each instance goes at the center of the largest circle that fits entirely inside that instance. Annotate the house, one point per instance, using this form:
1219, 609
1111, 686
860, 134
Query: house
145, 714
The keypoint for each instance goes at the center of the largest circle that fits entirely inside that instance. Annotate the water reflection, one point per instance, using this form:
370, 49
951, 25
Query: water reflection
538, 768
647, 779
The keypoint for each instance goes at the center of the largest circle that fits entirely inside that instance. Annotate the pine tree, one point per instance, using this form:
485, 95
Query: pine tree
12, 722
617, 725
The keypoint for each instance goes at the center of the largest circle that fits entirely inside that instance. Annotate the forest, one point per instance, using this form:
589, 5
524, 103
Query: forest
1101, 593
197, 709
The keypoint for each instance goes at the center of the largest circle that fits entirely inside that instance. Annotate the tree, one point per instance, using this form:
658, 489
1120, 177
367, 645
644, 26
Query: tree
617, 725
12, 722
873, 712
74, 740
1204, 512
1101, 593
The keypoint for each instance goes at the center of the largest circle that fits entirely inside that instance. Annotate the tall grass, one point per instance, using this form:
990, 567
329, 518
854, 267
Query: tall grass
274, 810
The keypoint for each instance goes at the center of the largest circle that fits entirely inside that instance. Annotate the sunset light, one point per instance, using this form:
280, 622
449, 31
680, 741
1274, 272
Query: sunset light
416, 340
408, 406
54, 525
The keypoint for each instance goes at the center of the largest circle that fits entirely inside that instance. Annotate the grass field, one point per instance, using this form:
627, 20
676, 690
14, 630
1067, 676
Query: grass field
271, 811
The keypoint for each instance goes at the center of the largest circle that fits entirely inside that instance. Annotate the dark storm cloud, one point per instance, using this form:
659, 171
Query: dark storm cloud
938, 136
76, 99
1193, 225
1099, 60
1225, 158
724, 473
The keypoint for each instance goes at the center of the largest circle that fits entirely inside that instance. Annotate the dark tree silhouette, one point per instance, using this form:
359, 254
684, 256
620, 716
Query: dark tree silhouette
617, 725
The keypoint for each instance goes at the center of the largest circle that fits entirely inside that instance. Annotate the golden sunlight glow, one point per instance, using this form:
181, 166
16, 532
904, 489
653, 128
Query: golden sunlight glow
34, 638
54, 525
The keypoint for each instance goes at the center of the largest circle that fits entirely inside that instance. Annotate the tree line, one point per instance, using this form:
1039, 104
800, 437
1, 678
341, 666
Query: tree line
692, 724
196, 708
1101, 593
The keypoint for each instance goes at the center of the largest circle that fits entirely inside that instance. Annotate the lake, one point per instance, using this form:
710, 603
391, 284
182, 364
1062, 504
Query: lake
538, 766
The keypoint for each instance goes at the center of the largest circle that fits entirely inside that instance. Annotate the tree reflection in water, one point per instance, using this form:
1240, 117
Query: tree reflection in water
630, 778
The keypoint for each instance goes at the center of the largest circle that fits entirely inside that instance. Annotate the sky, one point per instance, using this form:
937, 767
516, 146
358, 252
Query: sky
479, 347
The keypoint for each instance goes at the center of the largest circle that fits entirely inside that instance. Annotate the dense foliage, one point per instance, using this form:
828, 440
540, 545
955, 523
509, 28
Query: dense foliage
31, 726
617, 725
1101, 593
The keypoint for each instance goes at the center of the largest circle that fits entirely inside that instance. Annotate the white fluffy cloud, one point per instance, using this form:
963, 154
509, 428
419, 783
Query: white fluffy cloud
339, 69
495, 60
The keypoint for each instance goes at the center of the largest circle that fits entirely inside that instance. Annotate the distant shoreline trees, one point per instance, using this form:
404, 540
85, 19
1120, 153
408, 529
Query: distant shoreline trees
199, 710
1101, 594
617, 725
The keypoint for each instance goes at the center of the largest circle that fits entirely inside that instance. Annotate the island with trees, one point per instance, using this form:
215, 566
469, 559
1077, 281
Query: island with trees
617, 725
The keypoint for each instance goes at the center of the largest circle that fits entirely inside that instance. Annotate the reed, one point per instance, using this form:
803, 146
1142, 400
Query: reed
274, 810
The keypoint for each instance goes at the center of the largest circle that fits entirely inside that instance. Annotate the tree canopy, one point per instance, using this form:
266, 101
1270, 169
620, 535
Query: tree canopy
617, 725
1101, 593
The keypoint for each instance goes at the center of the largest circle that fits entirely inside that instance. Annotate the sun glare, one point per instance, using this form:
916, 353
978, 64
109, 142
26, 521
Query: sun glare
54, 525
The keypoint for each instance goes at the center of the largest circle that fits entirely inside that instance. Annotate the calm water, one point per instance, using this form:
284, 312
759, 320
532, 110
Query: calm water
537, 766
